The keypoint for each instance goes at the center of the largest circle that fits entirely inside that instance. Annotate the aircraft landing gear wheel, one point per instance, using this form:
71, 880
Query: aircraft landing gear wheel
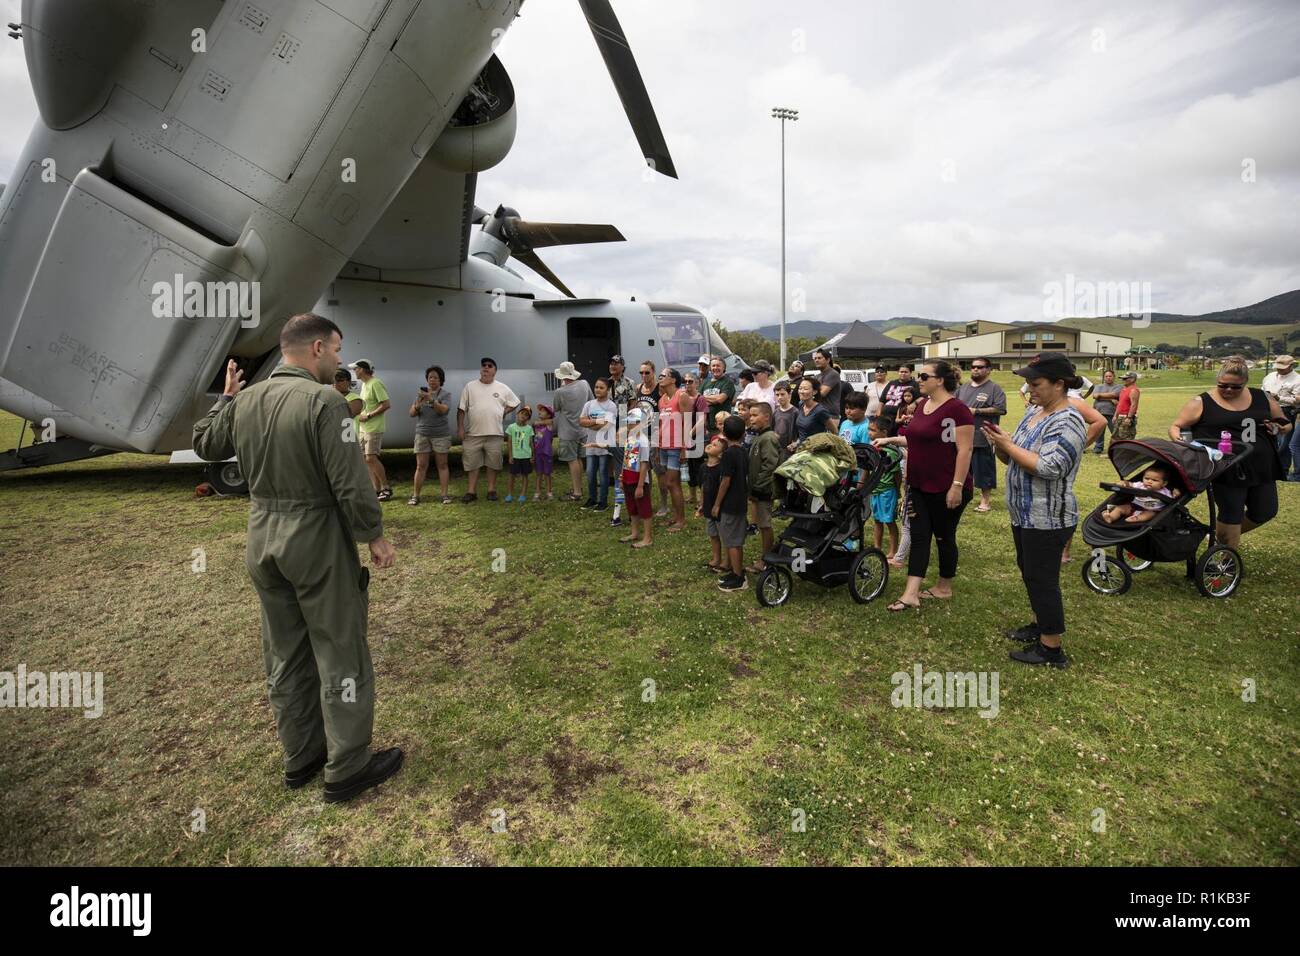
1219, 572
1131, 560
1105, 575
228, 478
868, 575
774, 586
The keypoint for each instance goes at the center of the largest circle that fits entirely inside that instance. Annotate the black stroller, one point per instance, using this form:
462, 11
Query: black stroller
828, 546
1174, 534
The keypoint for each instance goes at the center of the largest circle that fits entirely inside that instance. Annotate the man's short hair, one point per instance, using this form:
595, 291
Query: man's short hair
342, 375
734, 428
905, 365
304, 329
855, 400
985, 359
763, 408
781, 387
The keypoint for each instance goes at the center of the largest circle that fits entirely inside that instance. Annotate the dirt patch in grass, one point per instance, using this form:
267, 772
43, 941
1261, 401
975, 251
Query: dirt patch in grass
573, 771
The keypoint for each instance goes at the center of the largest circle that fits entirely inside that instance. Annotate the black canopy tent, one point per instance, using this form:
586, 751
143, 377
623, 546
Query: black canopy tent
861, 341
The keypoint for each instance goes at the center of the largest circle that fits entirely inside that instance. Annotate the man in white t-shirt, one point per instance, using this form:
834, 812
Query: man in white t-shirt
483, 406
1283, 384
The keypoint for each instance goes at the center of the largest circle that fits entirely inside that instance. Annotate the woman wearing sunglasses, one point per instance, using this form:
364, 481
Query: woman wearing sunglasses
939, 439
1246, 495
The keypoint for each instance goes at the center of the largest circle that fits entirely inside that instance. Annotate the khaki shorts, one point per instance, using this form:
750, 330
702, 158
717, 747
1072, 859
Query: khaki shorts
425, 444
762, 513
568, 449
371, 443
480, 450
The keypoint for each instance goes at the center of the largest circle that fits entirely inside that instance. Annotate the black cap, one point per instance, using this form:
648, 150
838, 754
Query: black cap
1055, 367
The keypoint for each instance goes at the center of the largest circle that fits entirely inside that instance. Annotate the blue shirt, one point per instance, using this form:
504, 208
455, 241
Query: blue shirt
1044, 498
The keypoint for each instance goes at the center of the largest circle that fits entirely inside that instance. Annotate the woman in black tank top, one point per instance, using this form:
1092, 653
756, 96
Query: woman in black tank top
1246, 495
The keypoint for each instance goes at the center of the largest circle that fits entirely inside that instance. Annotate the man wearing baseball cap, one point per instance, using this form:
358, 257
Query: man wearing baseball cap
370, 423
1283, 384
1126, 409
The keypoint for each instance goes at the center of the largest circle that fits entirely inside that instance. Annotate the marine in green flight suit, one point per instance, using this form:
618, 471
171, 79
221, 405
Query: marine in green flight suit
310, 502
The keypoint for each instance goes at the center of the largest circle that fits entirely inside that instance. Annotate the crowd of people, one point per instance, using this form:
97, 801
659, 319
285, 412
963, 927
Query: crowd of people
934, 434
711, 447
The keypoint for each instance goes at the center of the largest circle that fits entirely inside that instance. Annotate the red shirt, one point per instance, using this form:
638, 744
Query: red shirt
1125, 406
670, 419
931, 461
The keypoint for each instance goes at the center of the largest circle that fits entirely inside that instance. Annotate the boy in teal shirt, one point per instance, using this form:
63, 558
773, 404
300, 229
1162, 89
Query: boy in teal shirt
520, 435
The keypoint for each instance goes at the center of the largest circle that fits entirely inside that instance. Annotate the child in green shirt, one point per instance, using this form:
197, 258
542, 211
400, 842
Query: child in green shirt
520, 435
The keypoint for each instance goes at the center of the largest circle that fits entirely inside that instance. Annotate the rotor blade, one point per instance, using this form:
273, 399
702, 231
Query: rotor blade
539, 235
531, 260
627, 81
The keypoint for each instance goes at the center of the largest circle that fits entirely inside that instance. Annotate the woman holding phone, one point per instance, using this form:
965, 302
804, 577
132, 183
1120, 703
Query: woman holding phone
432, 431
1042, 458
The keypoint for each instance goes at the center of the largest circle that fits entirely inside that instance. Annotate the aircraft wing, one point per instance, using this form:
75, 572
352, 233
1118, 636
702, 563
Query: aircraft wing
427, 226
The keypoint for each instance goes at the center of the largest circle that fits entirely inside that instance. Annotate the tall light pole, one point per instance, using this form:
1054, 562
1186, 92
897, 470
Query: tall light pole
783, 114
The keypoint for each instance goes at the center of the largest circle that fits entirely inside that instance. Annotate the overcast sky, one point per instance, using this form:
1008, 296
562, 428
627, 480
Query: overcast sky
950, 160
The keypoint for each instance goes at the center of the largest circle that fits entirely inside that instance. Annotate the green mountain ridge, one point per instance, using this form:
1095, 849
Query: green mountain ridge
1277, 318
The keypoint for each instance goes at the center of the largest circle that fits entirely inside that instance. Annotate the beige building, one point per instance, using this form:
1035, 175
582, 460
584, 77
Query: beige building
1008, 346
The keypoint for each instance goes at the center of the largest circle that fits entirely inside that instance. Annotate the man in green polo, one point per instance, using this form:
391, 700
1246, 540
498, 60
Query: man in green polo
310, 502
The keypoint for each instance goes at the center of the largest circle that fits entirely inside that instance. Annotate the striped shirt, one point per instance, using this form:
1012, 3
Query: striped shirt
1044, 499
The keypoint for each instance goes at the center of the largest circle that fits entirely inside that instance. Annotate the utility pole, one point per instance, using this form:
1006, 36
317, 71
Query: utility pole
783, 114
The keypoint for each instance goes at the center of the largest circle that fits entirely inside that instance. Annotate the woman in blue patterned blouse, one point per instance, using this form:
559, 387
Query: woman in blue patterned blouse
1042, 459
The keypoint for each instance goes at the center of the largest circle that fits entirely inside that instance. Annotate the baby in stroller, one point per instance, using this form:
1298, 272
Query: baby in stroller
1155, 481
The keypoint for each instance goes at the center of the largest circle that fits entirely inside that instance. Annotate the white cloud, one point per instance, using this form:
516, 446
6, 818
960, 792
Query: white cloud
949, 160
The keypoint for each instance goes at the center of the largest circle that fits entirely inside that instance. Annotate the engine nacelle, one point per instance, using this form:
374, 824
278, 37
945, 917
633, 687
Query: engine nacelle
482, 130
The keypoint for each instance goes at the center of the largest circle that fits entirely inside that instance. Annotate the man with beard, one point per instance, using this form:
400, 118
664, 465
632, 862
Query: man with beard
988, 403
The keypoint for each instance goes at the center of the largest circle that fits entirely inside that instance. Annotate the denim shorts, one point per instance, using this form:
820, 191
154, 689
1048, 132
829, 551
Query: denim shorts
669, 459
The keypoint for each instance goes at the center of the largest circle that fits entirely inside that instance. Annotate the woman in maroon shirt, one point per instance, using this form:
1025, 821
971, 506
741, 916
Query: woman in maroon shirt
939, 439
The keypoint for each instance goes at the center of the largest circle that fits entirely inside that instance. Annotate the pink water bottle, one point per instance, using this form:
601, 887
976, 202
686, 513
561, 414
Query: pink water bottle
1225, 442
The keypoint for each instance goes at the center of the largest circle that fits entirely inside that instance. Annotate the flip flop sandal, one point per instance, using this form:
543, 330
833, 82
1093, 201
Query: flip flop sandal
982, 511
899, 606
927, 594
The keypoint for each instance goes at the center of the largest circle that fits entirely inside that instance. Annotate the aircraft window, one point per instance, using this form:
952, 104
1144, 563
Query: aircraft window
683, 337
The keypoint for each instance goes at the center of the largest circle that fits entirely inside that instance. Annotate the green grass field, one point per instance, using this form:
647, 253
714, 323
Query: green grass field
522, 691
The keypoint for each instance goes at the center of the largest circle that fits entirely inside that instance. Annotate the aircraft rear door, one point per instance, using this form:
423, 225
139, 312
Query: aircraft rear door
592, 340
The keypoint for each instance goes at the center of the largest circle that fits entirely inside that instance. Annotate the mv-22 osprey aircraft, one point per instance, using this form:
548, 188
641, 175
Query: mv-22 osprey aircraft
201, 170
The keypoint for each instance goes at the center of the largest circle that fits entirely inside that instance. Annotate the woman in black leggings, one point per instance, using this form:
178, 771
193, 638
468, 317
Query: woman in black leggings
1247, 495
939, 438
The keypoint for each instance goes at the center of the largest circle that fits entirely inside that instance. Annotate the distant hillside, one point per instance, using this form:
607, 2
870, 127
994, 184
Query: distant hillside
1277, 318
821, 331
